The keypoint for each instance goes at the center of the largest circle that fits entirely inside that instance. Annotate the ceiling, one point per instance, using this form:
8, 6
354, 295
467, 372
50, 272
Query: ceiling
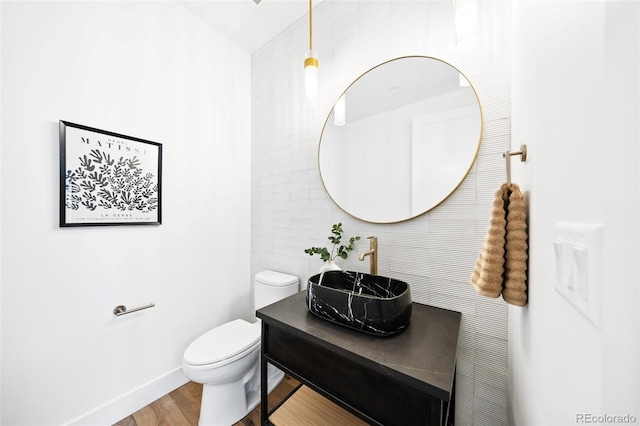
248, 24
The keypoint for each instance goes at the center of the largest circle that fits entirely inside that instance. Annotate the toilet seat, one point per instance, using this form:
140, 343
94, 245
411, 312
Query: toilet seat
223, 344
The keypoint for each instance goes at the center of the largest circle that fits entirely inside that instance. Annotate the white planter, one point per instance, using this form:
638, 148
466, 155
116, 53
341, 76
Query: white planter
330, 266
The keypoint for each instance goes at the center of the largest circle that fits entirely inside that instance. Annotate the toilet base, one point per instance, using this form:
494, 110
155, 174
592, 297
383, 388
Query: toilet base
225, 404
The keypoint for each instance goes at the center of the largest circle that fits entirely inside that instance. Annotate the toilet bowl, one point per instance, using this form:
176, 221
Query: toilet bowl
226, 359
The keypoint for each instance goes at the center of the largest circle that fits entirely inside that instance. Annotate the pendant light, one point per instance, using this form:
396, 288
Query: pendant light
465, 21
311, 65
340, 112
463, 81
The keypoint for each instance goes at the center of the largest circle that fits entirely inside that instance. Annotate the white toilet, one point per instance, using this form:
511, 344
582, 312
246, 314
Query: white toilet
226, 360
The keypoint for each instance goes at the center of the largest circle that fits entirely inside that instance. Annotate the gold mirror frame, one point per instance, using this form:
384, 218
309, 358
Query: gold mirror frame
364, 170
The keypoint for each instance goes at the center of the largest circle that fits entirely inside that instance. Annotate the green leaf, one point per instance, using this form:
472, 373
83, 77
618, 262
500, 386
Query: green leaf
340, 250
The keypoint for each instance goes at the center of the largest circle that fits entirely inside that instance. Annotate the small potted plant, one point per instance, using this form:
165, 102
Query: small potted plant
337, 250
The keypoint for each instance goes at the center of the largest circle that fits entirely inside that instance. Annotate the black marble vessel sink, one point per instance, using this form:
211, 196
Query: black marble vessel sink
369, 303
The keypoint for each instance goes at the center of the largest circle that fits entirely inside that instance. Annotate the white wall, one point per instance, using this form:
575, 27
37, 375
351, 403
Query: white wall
576, 103
150, 70
0, 205
436, 252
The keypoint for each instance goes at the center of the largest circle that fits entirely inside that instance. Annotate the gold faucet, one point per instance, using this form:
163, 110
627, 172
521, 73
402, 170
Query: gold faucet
373, 253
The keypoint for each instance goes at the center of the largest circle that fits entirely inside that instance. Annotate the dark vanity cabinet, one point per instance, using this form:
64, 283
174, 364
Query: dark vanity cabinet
405, 379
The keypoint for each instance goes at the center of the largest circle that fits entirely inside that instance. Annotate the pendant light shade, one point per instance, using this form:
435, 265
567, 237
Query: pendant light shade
311, 65
463, 81
340, 112
465, 21
311, 75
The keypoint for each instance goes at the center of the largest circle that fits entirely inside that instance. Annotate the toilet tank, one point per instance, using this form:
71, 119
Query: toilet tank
271, 286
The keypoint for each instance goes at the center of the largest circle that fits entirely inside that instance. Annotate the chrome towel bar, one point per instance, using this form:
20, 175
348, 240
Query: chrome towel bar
122, 310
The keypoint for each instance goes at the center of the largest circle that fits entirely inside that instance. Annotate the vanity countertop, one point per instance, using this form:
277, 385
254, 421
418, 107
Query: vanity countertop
422, 356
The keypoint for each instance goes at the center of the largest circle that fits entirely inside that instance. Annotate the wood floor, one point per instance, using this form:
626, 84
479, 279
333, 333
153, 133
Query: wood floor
182, 407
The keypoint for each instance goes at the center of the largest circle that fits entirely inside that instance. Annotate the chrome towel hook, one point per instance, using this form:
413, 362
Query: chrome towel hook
122, 310
507, 154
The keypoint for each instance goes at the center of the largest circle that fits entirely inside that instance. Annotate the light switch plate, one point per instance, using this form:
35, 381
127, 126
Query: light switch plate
578, 267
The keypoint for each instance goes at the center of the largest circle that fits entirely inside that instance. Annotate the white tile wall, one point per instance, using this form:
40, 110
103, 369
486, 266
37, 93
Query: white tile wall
435, 252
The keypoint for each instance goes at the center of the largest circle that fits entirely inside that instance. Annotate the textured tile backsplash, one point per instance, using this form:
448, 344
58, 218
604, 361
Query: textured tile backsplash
434, 252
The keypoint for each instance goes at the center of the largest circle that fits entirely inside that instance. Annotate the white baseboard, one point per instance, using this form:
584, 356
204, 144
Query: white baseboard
127, 404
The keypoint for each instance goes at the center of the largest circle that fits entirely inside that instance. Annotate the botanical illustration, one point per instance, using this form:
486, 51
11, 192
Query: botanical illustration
109, 183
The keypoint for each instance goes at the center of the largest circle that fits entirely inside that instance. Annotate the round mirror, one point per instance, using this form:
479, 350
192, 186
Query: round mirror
400, 139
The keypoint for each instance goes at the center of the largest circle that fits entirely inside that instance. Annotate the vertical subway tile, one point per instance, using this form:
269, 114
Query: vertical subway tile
434, 252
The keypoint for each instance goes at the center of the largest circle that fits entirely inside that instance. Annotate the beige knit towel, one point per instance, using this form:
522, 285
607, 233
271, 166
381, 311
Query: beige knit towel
502, 264
515, 278
489, 269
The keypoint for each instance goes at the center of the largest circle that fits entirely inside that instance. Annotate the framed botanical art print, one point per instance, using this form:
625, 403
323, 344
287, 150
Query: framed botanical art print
108, 179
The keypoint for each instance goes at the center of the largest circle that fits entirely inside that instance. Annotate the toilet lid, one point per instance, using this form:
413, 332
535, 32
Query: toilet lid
222, 342
277, 279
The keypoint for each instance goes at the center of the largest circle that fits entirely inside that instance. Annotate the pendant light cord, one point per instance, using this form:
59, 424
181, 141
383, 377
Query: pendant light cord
310, 25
